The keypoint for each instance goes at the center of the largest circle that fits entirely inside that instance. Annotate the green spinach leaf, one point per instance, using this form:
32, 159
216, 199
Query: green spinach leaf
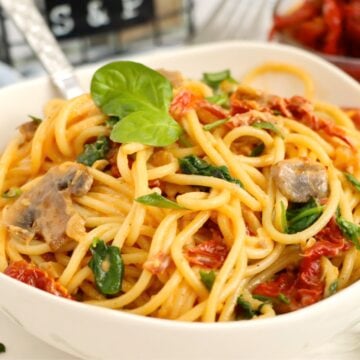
221, 99
353, 180
107, 266
208, 278
257, 150
266, 125
214, 79
215, 124
140, 97
300, 216
2, 348
94, 151
244, 308
157, 200
350, 230
191, 164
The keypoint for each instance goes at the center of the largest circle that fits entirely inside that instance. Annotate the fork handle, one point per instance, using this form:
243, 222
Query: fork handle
31, 24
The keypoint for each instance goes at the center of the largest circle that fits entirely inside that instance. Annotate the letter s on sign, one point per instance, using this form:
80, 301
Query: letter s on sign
61, 21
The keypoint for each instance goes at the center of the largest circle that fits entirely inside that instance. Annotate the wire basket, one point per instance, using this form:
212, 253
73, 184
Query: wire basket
90, 30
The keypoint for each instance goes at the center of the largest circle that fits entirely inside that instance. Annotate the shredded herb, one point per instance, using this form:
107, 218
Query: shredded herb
12, 193
266, 125
94, 151
300, 216
35, 119
2, 348
112, 121
277, 112
333, 287
193, 165
221, 99
350, 230
214, 79
208, 278
353, 180
284, 299
107, 266
157, 200
257, 150
263, 298
215, 124
244, 308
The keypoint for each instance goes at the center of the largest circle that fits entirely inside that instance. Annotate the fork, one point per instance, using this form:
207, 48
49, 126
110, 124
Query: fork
237, 19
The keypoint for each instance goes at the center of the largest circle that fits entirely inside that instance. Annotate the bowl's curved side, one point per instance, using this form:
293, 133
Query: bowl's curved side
99, 333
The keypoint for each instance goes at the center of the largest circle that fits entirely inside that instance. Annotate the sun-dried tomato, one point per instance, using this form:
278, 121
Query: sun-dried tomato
304, 286
33, 276
209, 254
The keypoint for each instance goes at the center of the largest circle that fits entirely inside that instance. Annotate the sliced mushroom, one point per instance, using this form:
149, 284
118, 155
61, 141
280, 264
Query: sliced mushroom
47, 210
299, 180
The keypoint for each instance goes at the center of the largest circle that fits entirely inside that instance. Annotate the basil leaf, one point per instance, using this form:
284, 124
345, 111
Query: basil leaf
107, 266
208, 278
140, 97
284, 299
350, 230
94, 151
157, 200
13, 192
257, 150
151, 127
2, 348
266, 125
219, 99
215, 78
333, 287
215, 124
353, 180
191, 164
300, 216
245, 308
35, 119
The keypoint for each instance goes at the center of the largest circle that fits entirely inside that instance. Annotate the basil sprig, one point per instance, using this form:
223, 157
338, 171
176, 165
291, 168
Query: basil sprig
140, 97
208, 278
2, 348
107, 266
191, 164
157, 200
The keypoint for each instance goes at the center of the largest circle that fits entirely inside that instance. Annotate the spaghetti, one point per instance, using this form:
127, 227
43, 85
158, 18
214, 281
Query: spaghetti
251, 212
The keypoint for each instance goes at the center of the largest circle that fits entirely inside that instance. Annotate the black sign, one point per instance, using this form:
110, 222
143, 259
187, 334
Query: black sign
72, 18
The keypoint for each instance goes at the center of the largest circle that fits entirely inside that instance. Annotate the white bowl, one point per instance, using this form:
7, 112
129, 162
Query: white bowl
95, 333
